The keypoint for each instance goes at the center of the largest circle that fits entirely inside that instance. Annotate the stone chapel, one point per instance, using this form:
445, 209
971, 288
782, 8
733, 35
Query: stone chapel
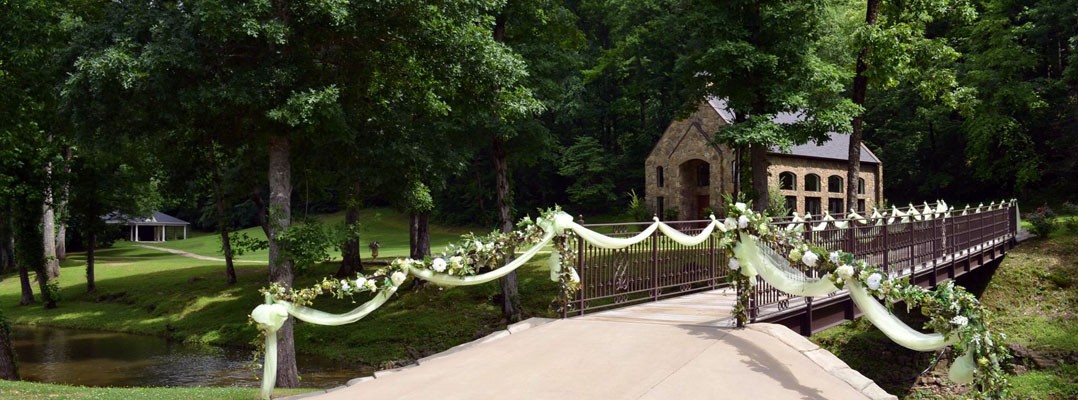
687, 175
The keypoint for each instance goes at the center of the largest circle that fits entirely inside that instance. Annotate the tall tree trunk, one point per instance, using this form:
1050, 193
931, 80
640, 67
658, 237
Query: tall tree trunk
48, 239
419, 235
30, 249
61, 240
222, 219
510, 293
413, 235
8, 367
61, 207
91, 250
280, 265
7, 243
27, 289
860, 86
758, 153
351, 259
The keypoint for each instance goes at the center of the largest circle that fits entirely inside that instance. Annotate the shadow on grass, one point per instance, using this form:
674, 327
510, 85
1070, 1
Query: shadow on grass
192, 302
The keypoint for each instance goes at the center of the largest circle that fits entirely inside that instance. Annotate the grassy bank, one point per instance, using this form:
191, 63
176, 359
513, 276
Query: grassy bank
1035, 303
384, 225
150, 292
41, 391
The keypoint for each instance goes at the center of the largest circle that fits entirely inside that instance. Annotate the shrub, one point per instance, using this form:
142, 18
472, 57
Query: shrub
1070, 221
638, 209
1043, 221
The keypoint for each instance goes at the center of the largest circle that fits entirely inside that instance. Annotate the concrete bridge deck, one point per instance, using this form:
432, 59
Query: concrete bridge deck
625, 357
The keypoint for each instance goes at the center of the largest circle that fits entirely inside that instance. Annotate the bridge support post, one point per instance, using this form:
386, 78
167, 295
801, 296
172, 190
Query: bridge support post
657, 287
806, 323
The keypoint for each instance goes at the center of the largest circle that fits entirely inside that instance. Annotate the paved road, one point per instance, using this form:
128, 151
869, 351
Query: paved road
590, 358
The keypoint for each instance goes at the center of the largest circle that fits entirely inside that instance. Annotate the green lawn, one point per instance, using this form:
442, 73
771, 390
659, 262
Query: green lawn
41, 391
384, 225
1033, 297
155, 293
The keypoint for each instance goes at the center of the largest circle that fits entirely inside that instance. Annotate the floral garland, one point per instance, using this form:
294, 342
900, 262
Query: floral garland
951, 310
473, 254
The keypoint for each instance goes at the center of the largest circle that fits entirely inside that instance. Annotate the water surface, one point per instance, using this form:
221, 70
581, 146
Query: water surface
96, 358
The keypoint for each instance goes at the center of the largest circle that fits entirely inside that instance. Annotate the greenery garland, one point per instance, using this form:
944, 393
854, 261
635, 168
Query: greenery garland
472, 255
950, 309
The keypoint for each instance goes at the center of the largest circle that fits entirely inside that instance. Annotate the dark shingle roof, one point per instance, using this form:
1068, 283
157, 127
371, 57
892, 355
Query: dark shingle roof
156, 218
837, 148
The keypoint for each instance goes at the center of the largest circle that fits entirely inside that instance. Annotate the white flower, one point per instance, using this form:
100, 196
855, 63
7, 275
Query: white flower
844, 271
455, 263
742, 222
573, 276
479, 245
438, 265
959, 320
795, 255
734, 265
344, 285
398, 278
763, 228
833, 257
360, 282
370, 284
873, 280
741, 206
729, 223
810, 259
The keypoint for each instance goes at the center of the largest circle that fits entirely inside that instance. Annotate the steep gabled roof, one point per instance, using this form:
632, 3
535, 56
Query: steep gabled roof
836, 148
156, 218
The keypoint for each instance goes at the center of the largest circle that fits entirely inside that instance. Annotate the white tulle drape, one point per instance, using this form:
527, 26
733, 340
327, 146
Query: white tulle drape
754, 259
776, 271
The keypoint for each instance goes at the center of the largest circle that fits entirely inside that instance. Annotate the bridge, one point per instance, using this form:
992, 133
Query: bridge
927, 250
651, 320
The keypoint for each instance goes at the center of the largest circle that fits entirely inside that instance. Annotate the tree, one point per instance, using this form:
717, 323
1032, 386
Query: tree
29, 71
894, 46
1021, 63
761, 56
282, 74
8, 367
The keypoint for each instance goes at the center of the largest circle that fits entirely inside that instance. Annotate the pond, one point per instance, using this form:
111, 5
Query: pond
95, 358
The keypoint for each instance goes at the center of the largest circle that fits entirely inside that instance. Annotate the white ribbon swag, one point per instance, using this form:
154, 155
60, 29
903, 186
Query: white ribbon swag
754, 259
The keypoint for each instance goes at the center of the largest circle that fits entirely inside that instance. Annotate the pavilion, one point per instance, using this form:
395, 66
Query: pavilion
154, 228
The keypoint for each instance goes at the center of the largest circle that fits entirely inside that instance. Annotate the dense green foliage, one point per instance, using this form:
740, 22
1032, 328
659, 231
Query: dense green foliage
260, 113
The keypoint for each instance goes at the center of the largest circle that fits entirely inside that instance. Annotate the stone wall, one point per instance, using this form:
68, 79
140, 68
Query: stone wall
682, 142
801, 167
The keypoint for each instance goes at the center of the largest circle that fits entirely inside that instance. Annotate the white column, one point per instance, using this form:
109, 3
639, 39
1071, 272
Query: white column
185, 232
164, 233
136, 233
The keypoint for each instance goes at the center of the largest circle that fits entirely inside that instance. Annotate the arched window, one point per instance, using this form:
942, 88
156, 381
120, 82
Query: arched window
787, 181
860, 185
812, 183
834, 184
659, 174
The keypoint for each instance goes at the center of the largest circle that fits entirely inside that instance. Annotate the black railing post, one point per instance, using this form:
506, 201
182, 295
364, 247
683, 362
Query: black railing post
656, 287
581, 270
886, 248
937, 234
712, 268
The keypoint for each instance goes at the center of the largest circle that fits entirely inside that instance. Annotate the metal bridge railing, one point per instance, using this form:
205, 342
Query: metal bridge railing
659, 268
